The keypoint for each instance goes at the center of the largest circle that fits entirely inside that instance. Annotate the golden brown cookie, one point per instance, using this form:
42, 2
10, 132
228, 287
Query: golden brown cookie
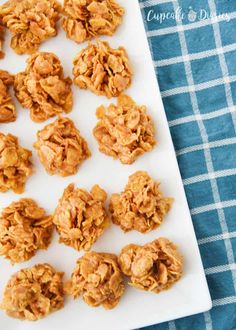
124, 131
7, 108
15, 164
33, 293
80, 217
1, 40
24, 229
42, 87
102, 69
61, 148
98, 279
141, 206
156, 266
30, 22
91, 18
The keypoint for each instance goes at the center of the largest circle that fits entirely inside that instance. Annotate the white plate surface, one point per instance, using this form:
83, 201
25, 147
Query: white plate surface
136, 309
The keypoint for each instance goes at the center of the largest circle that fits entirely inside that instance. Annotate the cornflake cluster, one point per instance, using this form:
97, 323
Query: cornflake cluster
33, 293
141, 206
80, 217
102, 69
90, 18
1, 40
7, 108
42, 88
30, 22
24, 228
15, 164
155, 266
98, 278
124, 131
61, 148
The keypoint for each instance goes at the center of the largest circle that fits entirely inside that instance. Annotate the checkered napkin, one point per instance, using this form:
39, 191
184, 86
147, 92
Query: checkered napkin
193, 45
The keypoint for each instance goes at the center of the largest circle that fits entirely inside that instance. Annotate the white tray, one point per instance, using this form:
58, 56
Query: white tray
137, 308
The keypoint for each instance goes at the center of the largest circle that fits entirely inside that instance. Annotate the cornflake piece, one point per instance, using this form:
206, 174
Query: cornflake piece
124, 131
90, 18
7, 108
30, 22
15, 164
102, 69
98, 278
80, 217
33, 293
42, 88
61, 148
24, 228
154, 267
1, 40
141, 206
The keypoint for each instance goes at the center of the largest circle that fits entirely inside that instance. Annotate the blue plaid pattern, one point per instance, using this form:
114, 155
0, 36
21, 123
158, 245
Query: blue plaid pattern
194, 55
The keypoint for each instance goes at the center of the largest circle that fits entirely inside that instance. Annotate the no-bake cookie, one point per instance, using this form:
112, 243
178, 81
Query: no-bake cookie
30, 22
102, 69
98, 279
80, 217
1, 40
141, 206
91, 18
7, 108
156, 266
61, 148
15, 164
33, 293
124, 131
24, 228
42, 87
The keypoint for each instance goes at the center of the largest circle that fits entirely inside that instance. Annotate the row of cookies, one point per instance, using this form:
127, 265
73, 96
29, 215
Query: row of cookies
31, 22
124, 131
33, 293
81, 217
46, 92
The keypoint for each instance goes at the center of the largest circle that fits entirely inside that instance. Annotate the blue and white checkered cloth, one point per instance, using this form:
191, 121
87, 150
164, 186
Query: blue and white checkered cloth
193, 45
